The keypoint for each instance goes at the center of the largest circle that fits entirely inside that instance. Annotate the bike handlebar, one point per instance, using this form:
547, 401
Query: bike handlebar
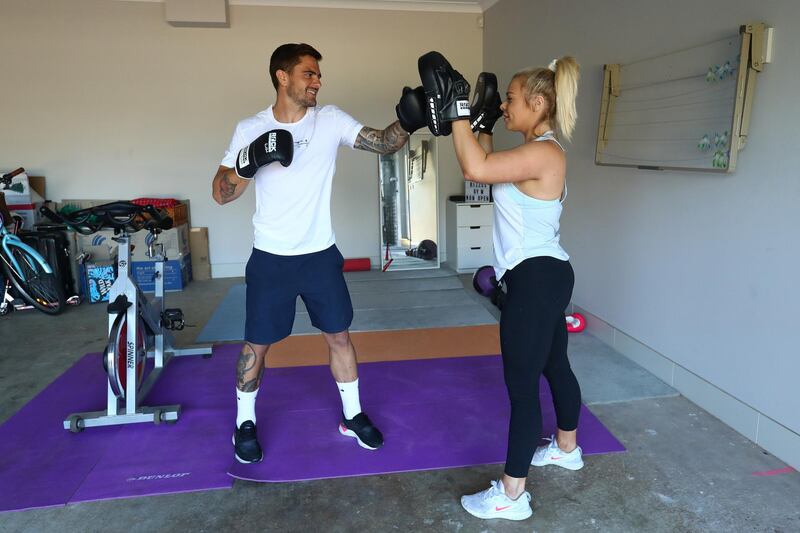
6, 179
120, 216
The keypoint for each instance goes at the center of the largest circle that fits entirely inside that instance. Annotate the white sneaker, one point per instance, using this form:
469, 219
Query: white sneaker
553, 455
493, 503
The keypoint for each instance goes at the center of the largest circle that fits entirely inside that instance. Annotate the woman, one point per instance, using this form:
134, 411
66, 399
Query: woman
529, 188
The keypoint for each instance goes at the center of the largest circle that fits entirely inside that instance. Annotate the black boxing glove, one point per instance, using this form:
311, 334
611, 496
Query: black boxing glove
274, 145
411, 109
446, 93
485, 107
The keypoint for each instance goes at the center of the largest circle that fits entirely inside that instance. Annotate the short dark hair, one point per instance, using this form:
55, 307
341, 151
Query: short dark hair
286, 56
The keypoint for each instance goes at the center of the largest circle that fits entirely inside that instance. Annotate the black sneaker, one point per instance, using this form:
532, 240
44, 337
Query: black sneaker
360, 427
245, 443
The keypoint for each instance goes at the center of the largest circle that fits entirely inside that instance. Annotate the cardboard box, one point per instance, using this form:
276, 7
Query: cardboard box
198, 245
99, 246
179, 213
19, 190
29, 214
22, 200
177, 274
98, 278
477, 192
175, 243
38, 185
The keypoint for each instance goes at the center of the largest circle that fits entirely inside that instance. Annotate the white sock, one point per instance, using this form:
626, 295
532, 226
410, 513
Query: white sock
245, 406
351, 405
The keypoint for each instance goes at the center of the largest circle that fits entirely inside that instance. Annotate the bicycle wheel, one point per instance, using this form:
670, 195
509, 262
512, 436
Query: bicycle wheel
117, 352
37, 287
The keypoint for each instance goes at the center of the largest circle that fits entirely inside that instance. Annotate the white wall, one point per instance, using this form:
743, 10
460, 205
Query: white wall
107, 100
701, 269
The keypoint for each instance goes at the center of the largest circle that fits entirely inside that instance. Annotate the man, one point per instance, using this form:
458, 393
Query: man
294, 251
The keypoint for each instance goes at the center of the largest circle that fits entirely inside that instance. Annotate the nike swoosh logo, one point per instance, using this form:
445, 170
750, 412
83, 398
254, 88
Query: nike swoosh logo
502, 508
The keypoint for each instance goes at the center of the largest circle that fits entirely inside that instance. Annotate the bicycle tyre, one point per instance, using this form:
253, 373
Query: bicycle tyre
116, 353
35, 286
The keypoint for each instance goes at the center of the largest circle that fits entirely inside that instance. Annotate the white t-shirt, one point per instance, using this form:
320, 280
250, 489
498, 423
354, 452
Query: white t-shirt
293, 204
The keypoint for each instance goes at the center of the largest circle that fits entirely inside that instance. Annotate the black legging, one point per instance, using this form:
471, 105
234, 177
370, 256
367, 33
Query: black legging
533, 339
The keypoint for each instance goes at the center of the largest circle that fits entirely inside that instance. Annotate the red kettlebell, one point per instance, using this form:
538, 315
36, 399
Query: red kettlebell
575, 323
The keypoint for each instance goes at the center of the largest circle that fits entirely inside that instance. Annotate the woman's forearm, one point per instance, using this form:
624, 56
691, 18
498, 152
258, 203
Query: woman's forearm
469, 152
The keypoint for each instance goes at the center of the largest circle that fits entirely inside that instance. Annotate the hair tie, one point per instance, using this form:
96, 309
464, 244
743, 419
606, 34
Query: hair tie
552, 65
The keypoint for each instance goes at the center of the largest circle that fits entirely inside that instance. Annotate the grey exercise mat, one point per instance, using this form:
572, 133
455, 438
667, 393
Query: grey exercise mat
403, 300
381, 300
404, 285
391, 275
406, 318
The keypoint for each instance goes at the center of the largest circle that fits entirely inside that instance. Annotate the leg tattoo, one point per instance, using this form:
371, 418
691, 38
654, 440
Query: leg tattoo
244, 366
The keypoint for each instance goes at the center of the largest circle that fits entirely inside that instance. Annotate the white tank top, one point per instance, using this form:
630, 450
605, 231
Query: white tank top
524, 226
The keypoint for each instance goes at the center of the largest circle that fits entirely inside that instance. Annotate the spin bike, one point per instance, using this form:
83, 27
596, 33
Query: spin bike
138, 328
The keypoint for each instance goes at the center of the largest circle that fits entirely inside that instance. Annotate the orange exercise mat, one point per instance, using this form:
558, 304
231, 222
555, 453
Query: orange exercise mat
396, 345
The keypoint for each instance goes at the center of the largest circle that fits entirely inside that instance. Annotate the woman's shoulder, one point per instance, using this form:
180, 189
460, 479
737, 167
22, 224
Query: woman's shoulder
544, 148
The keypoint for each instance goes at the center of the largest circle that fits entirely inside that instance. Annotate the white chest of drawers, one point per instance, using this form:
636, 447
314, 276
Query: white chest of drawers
469, 235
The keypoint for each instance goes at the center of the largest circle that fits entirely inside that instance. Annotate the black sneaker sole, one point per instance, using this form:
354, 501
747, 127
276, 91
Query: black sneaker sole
243, 461
350, 433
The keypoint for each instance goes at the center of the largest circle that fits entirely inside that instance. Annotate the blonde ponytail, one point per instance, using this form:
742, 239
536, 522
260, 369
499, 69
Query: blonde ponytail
566, 88
558, 84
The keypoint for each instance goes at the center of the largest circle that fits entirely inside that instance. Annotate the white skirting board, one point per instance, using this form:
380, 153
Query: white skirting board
775, 438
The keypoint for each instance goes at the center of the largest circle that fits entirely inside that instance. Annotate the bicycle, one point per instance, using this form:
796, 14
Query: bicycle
137, 327
25, 269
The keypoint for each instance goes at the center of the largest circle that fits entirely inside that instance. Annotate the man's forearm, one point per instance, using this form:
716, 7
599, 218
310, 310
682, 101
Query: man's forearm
227, 186
385, 141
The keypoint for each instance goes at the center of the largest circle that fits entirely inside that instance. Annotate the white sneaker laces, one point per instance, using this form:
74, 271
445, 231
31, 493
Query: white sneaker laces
493, 491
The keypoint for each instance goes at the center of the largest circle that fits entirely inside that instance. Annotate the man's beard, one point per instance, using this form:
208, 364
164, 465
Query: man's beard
304, 99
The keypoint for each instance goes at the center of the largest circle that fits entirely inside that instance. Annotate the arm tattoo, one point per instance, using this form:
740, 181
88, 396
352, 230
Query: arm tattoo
245, 380
227, 188
385, 141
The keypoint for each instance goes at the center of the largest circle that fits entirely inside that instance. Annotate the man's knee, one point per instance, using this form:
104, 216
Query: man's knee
259, 350
338, 341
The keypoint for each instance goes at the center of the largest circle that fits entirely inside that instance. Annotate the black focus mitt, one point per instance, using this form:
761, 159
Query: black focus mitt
446, 93
485, 107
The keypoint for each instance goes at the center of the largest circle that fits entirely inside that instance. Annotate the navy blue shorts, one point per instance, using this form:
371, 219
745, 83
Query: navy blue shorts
275, 281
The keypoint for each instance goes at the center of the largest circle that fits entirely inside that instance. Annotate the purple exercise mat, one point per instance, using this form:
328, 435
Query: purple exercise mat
42, 464
434, 413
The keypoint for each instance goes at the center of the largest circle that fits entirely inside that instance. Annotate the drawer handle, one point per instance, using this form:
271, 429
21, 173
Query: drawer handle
474, 227
475, 206
474, 247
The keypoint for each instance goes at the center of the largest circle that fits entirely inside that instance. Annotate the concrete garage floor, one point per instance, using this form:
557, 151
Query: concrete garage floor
684, 470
